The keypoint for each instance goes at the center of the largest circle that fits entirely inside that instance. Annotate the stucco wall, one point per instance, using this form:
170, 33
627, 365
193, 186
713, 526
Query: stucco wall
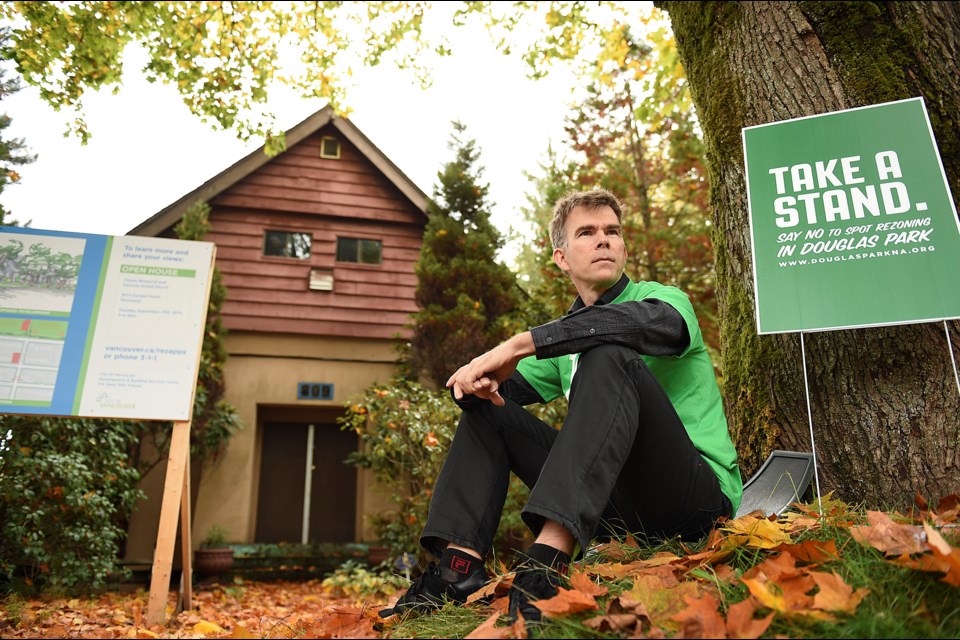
262, 373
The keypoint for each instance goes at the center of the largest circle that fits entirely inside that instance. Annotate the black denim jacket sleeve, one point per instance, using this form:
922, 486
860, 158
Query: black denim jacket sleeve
651, 327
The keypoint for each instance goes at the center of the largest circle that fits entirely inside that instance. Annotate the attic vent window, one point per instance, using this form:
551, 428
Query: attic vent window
287, 244
360, 250
329, 148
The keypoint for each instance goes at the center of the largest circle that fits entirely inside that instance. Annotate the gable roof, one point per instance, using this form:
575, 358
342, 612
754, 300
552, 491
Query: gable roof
172, 214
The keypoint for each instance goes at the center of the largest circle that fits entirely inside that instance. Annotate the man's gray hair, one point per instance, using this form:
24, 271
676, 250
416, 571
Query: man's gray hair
590, 200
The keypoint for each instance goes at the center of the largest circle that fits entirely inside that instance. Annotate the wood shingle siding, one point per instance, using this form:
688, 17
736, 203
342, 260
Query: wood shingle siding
361, 194
301, 181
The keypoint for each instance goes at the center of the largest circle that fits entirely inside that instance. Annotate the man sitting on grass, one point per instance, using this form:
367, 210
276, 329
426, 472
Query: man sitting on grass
644, 449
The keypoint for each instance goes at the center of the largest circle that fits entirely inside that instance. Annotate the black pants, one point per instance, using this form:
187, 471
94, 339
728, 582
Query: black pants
622, 462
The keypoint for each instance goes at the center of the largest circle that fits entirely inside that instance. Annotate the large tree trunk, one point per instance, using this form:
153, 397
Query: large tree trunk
885, 404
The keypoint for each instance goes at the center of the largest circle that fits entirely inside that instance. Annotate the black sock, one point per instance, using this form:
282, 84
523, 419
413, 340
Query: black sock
460, 563
549, 557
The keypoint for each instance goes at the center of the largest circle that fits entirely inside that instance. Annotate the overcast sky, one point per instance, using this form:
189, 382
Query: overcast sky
147, 150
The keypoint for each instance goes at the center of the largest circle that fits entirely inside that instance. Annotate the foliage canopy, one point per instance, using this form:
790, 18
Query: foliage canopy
224, 58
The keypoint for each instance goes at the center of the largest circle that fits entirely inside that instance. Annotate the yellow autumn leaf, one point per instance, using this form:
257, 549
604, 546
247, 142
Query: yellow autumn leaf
756, 533
767, 593
205, 627
239, 633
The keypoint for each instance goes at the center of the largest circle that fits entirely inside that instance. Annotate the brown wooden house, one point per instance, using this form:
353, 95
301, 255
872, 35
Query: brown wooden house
317, 248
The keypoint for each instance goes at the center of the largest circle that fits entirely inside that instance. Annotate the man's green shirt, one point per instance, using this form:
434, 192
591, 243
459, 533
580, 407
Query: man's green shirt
688, 380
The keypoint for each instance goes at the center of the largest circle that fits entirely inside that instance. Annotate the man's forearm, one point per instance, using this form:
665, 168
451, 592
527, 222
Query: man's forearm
521, 345
482, 375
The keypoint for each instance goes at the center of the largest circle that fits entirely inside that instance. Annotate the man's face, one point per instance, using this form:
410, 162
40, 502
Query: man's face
595, 255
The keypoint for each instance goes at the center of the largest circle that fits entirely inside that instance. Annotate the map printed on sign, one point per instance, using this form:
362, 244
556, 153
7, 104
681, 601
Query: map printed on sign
852, 222
100, 326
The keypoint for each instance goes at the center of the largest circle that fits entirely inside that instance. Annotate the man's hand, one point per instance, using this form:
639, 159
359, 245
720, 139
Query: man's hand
482, 376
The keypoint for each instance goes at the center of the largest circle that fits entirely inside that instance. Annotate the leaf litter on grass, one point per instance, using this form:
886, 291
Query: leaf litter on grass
280, 609
748, 574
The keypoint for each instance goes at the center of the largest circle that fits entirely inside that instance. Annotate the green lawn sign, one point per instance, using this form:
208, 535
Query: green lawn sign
851, 220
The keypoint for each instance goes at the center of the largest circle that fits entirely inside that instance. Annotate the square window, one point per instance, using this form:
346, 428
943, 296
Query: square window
347, 249
287, 244
360, 250
329, 148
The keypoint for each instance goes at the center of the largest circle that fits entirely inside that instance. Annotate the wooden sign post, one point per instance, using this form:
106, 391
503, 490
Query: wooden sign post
176, 493
186, 545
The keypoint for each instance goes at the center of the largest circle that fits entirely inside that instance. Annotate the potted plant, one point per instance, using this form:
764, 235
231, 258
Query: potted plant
213, 557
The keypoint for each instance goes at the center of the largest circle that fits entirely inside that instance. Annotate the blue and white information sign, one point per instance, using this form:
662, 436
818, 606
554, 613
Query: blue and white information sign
100, 326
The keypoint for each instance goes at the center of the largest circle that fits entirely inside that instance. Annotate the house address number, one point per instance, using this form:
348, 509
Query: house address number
314, 391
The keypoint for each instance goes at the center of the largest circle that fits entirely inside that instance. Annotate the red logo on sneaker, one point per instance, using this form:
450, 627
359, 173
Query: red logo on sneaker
460, 565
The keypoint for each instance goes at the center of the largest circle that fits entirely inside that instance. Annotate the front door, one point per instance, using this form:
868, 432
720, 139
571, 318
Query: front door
307, 492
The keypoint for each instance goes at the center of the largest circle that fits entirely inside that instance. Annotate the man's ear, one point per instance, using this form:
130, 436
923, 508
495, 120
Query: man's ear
560, 260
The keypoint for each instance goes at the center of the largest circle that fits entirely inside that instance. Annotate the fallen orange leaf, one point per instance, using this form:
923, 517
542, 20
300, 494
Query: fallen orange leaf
616, 550
700, 619
777, 568
498, 586
778, 584
888, 536
812, 550
947, 511
489, 629
501, 605
566, 602
611, 570
582, 582
741, 623
343, 622
835, 594
798, 522
612, 622
945, 556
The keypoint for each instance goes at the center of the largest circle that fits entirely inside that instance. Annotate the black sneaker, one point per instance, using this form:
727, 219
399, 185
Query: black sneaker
533, 582
436, 586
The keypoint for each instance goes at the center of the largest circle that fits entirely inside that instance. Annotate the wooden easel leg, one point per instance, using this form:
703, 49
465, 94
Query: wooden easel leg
186, 576
173, 488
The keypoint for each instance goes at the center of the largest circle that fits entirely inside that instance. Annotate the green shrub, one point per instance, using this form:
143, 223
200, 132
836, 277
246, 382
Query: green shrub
216, 537
65, 492
356, 579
